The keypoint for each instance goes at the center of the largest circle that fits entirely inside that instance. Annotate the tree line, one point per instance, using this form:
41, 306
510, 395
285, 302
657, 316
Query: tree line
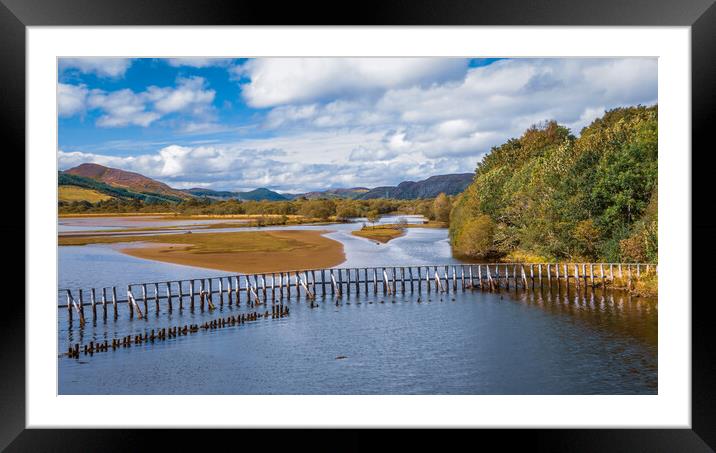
555, 196
324, 209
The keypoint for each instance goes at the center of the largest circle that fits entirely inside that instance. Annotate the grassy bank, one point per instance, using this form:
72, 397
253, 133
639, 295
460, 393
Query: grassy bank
250, 251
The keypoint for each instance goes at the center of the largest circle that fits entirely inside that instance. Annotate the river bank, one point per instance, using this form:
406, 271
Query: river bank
249, 251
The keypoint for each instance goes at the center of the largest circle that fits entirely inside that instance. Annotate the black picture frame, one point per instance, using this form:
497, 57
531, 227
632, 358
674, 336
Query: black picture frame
700, 15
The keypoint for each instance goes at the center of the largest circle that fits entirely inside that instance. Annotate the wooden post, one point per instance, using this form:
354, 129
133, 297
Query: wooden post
132, 302
479, 275
507, 278
144, 297
94, 303
524, 277
514, 273
410, 275
191, 294
375, 281
447, 281
323, 281
427, 278
470, 276
556, 268
313, 284
393, 275
365, 282
230, 289
348, 282
591, 273
156, 296
601, 272
104, 303
82, 308
490, 284
402, 280
584, 274
114, 301
386, 283
438, 283
532, 275
549, 275
340, 280
419, 280
576, 275
263, 286
539, 271
221, 291
169, 295
202, 293
335, 290
69, 305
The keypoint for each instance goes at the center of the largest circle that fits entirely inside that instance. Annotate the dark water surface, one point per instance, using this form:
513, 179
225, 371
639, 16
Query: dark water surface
473, 342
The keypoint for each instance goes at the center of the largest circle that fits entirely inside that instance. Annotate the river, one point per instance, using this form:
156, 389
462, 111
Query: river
472, 342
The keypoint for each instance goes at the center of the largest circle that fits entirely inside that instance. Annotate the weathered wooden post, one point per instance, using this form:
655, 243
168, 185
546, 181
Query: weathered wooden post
490, 283
402, 280
348, 282
479, 275
539, 271
104, 303
221, 292
94, 303
447, 281
532, 275
375, 281
549, 275
114, 301
470, 276
169, 296
393, 279
556, 269
454, 278
576, 275
386, 282
524, 277
69, 305
82, 308
410, 275
365, 282
507, 278
601, 272
144, 297
156, 296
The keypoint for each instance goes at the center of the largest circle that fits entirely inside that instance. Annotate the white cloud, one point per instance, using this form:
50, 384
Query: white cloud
102, 67
280, 81
126, 108
71, 99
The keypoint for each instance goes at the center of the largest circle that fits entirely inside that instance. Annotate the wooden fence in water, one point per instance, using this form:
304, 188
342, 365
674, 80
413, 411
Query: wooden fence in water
259, 289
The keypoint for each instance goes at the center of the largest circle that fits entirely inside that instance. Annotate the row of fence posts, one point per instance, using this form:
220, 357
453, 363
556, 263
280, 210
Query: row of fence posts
259, 289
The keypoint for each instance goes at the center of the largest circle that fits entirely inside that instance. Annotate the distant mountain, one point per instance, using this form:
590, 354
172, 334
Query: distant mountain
452, 184
354, 192
255, 195
125, 179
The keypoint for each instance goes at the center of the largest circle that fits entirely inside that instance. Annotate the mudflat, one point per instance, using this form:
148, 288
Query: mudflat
249, 251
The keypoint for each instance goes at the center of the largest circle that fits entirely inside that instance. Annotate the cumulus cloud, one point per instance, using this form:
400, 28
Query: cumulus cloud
280, 81
125, 107
71, 99
102, 67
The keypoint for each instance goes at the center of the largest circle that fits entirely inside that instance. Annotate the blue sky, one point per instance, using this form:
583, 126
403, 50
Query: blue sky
309, 124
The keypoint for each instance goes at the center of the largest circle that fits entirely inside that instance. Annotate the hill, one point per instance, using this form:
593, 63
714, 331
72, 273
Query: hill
451, 184
125, 179
352, 193
69, 183
255, 195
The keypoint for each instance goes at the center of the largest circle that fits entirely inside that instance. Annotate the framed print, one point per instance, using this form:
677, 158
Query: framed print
415, 220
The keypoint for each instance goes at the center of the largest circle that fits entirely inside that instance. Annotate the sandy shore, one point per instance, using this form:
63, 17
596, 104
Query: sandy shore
250, 251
